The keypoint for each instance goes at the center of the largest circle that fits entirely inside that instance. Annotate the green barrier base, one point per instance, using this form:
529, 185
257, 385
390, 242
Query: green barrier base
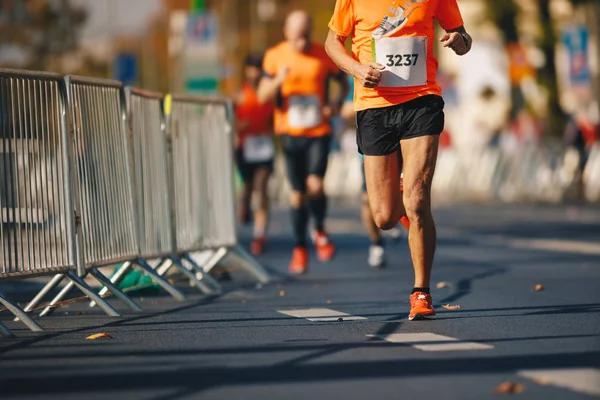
136, 278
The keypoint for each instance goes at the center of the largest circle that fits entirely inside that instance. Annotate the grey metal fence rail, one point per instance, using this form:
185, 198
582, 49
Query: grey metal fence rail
95, 174
201, 132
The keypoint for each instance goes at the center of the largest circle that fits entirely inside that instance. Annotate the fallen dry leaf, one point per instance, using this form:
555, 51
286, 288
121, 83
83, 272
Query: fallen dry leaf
282, 293
538, 288
99, 336
509, 388
442, 285
451, 307
340, 319
328, 302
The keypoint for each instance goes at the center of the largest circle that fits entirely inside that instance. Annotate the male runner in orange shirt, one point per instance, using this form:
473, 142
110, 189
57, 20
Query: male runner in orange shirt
397, 100
297, 72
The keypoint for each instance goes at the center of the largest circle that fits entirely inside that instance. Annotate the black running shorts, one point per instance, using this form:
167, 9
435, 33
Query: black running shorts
380, 130
247, 169
305, 156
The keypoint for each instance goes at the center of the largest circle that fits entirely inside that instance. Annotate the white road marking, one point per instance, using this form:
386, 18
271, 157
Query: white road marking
583, 380
432, 342
555, 245
320, 314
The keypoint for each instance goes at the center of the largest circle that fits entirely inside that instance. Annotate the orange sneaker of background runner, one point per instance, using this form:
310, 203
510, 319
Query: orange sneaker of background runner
420, 306
325, 249
299, 263
258, 246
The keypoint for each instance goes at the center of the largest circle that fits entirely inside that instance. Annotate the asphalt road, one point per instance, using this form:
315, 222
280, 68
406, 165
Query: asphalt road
253, 342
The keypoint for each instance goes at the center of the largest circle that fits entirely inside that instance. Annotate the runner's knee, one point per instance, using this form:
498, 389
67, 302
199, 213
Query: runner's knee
314, 185
297, 199
386, 216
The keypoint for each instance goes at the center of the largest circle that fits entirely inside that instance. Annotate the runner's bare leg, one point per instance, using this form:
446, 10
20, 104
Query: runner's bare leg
420, 155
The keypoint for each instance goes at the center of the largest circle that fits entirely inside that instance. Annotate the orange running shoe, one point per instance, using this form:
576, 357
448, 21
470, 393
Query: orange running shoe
299, 263
258, 245
404, 221
420, 306
325, 249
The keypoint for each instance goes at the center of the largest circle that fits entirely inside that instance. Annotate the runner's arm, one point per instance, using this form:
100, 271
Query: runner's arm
342, 79
455, 39
270, 85
368, 75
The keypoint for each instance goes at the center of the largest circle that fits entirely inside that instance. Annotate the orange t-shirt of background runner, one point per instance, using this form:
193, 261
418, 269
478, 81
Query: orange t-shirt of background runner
359, 18
308, 75
258, 116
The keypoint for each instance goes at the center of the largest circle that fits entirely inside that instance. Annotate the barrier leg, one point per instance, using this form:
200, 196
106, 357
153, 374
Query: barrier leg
22, 315
160, 280
57, 279
204, 275
115, 279
213, 260
250, 264
190, 274
164, 266
115, 290
5, 332
50, 307
89, 292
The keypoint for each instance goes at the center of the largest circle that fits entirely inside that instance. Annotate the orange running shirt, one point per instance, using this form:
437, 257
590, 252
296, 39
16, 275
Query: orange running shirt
299, 107
255, 119
401, 18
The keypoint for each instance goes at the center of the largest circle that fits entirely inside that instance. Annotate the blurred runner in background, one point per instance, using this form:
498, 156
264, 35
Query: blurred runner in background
254, 151
581, 133
376, 257
296, 78
398, 100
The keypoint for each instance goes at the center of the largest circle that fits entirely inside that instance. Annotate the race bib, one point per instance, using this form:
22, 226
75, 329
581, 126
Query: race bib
304, 112
258, 149
405, 61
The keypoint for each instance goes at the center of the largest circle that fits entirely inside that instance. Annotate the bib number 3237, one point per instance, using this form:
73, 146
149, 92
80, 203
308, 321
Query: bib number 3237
405, 61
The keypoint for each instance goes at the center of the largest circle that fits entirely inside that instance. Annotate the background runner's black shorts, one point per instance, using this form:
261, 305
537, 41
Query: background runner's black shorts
305, 156
379, 130
248, 170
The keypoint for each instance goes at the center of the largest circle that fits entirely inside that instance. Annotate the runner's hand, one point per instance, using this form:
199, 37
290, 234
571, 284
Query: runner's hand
282, 74
454, 41
369, 75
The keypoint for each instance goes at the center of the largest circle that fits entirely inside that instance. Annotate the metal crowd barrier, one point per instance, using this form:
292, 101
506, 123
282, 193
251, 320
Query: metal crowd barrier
38, 228
95, 175
105, 191
201, 134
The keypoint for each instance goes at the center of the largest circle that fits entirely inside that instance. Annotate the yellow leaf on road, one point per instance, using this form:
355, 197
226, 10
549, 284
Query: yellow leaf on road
451, 307
99, 336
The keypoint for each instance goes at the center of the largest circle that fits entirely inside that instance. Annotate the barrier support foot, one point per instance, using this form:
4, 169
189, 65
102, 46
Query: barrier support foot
205, 285
160, 280
204, 276
55, 281
115, 290
115, 279
249, 263
89, 292
22, 315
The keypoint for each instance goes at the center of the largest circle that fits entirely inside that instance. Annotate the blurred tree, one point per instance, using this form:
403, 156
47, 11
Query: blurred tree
40, 29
